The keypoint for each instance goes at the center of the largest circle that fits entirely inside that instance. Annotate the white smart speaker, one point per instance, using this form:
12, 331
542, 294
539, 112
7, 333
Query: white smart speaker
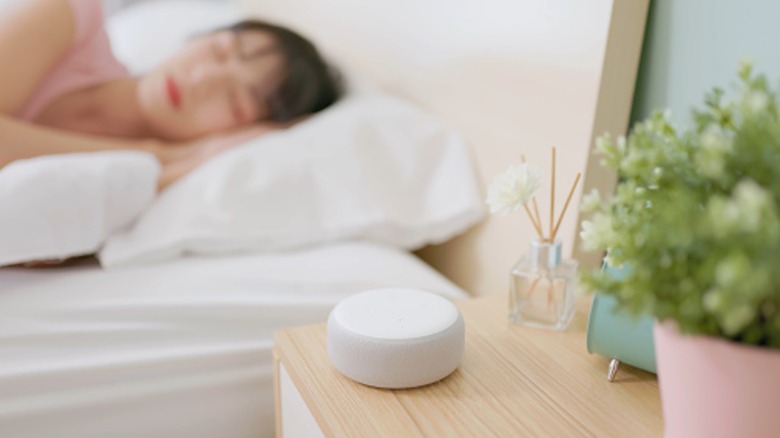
395, 338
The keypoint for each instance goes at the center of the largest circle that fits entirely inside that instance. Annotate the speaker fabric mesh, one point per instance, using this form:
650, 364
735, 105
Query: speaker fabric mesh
395, 363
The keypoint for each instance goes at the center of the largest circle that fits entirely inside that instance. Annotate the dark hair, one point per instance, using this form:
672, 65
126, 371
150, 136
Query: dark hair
309, 84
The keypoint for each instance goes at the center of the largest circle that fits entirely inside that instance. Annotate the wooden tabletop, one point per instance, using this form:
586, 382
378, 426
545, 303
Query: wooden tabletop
513, 381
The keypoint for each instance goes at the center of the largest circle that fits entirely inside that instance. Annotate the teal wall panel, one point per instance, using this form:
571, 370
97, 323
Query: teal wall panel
692, 45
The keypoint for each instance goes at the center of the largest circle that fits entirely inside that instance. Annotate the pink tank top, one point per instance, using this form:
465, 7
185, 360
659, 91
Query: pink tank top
89, 62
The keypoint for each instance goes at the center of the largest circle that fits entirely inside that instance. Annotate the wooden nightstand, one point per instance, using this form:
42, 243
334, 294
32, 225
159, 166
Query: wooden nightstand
513, 381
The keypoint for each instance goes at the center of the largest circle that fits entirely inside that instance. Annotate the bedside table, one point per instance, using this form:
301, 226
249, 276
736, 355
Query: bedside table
513, 381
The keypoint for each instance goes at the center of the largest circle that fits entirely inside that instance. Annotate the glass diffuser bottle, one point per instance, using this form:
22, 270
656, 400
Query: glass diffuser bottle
542, 284
542, 288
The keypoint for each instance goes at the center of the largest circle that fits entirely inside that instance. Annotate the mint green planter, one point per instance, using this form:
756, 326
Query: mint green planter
618, 336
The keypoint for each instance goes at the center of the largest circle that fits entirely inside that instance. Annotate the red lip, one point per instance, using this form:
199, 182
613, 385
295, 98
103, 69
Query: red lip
173, 92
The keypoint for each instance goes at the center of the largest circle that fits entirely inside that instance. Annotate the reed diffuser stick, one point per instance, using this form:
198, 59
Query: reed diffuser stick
536, 226
538, 216
552, 195
566, 205
536, 209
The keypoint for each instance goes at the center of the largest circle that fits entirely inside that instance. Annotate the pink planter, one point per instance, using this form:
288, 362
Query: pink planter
715, 388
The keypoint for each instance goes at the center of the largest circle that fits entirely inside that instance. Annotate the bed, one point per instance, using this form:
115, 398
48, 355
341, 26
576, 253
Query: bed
176, 349
180, 344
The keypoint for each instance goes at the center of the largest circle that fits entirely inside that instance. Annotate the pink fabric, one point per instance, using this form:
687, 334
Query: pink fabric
715, 388
89, 62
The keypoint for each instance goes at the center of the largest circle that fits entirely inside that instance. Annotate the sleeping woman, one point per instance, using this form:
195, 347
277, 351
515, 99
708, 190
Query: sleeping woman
62, 90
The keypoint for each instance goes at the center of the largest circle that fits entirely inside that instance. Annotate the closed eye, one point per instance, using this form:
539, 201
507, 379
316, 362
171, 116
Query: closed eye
225, 46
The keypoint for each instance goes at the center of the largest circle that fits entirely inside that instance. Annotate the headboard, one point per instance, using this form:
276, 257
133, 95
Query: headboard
514, 76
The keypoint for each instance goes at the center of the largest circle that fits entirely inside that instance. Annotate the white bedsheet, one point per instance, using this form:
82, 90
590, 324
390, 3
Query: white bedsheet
181, 349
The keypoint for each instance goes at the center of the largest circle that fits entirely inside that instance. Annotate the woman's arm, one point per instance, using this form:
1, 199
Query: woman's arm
34, 36
20, 140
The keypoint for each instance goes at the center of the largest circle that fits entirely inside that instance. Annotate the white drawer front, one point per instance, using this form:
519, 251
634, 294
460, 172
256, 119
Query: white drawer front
297, 420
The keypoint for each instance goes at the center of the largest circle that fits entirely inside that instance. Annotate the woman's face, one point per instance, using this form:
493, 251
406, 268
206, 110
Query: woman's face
216, 83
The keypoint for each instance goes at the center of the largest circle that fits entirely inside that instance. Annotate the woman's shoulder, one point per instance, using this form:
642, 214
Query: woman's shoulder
41, 27
88, 17
87, 61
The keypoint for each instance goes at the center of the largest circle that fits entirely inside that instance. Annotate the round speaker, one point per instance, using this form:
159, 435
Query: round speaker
395, 338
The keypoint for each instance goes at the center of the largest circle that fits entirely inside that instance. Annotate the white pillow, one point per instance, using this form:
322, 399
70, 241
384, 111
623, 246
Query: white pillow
370, 167
145, 34
61, 206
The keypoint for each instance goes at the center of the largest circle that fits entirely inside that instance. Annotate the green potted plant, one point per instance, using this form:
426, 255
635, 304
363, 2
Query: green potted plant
695, 219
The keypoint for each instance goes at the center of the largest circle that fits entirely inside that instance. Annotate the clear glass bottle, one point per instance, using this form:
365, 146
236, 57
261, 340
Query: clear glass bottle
542, 288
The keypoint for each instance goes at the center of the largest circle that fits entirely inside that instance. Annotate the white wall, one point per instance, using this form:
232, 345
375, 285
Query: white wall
431, 35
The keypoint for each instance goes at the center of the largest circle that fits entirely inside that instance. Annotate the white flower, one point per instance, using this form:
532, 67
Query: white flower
604, 143
591, 202
715, 145
737, 318
723, 216
751, 196
511, 190
714, 139
752, 201
743, 212
745, 66
714, 300
756, 102
597, 233
732, 270
621, 144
